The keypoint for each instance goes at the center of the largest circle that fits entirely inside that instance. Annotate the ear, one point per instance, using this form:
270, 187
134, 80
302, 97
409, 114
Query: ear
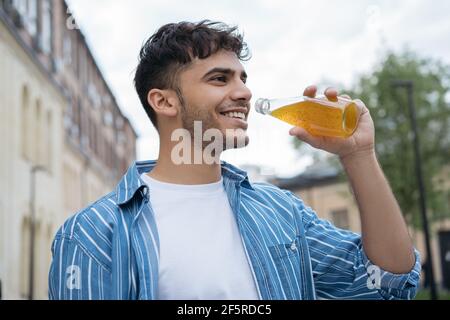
163, 102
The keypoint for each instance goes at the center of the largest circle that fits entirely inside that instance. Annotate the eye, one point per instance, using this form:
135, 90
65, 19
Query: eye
220, 79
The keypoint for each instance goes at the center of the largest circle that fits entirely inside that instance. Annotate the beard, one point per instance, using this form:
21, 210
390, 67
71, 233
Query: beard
232, 138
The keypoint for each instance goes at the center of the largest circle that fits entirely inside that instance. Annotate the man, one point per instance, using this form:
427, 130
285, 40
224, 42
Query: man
184, 228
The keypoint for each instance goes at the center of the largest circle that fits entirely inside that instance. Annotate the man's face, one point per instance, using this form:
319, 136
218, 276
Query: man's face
214, 92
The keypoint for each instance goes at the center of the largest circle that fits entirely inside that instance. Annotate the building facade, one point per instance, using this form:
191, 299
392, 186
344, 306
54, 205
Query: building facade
64, 139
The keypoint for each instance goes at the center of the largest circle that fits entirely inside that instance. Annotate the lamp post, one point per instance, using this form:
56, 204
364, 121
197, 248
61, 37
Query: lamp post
34, 170
409, 86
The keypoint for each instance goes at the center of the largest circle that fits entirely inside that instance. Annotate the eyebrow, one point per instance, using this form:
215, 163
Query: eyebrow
226, 71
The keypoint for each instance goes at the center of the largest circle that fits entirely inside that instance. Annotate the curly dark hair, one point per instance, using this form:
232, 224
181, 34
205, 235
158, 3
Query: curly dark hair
173, 47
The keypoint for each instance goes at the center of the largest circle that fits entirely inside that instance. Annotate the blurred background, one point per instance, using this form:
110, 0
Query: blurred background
71, 122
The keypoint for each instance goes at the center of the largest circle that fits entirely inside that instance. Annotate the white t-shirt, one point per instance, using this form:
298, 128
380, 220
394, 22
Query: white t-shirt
201, 251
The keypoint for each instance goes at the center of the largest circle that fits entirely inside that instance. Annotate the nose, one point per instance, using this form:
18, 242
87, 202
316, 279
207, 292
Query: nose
241, 92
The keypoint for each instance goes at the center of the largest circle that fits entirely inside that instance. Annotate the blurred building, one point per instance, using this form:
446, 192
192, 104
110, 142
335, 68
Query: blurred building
331, 198
58, 113
257, 173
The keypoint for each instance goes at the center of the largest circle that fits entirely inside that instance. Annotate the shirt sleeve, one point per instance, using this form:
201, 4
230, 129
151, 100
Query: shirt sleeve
341, 268
75, 275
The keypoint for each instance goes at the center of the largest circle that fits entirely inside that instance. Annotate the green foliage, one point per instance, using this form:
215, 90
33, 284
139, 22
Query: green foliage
425, 294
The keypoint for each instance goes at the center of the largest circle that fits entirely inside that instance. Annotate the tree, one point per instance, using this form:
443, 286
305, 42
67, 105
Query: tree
389, 110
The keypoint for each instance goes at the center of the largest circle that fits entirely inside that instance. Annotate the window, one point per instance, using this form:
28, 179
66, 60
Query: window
340, 218
30, 18
20, 6
25, 123
121, 137
24, 256
27, 9
46, 27
49, 140
92, 136
76, 116
37, 134
110, 155
82, 66
84, 131
40, 251
93, 95
80, 63
100, 146
76, 56
119, 122
106, 100
67, 50
108, 118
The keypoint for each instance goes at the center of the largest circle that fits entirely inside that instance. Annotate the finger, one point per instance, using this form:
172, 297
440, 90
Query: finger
361, 106
304, 135
310, 91
345, 96
331, 94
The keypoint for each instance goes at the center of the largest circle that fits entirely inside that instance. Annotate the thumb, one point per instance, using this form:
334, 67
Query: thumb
300, 133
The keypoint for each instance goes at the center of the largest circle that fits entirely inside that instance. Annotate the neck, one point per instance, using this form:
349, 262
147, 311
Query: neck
166, 170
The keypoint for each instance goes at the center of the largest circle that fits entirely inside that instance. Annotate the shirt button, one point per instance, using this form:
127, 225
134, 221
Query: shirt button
293, 246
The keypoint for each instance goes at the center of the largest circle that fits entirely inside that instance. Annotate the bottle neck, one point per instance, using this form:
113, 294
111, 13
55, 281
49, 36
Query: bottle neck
262, 106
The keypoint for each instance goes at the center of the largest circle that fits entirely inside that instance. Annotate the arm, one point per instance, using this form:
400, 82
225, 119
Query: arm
74, 275
384, 233
340, 266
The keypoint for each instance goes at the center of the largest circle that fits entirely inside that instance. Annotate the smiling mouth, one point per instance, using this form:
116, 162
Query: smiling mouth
234, 115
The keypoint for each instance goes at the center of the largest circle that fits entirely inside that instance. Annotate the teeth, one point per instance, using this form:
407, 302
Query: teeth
239, 115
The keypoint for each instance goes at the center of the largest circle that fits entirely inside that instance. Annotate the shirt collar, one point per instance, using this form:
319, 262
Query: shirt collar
131, 182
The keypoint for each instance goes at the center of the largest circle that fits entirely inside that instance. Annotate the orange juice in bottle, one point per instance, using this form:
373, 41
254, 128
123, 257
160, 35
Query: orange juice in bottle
319, 116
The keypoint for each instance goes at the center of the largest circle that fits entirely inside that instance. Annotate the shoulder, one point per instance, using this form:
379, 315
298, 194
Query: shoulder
92, 229
101, 215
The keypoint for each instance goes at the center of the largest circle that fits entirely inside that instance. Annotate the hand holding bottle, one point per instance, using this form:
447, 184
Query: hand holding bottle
360, 142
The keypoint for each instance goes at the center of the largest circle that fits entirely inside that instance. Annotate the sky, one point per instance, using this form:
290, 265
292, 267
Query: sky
293, 44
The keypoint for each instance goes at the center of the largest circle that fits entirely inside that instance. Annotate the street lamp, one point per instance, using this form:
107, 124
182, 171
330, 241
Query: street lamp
34, 170
409, 86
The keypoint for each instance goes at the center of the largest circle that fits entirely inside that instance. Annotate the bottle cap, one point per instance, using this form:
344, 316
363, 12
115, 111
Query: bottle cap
262, 106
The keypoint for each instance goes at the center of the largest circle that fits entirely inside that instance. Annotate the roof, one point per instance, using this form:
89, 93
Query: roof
315, 175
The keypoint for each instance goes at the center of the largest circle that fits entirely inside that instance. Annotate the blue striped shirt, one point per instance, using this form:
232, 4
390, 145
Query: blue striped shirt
110, 250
